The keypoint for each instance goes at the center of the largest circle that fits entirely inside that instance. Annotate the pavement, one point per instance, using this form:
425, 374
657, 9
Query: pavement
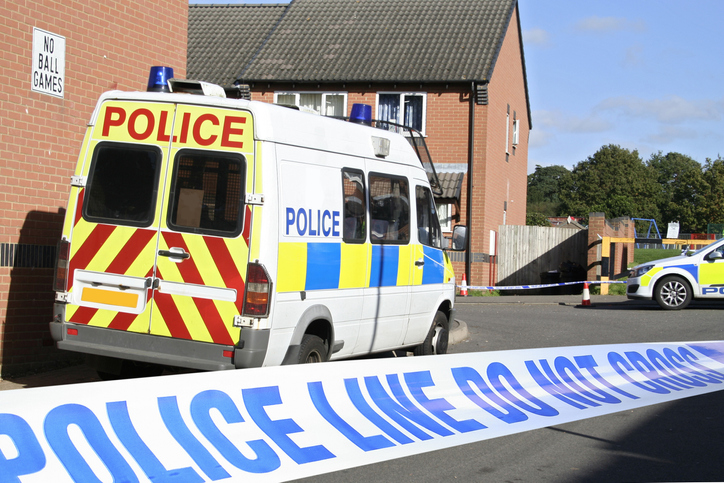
458, 333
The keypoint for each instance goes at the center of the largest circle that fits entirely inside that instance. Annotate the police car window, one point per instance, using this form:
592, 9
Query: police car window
428, 225
389, 203
122, 184
355, 214
207, 193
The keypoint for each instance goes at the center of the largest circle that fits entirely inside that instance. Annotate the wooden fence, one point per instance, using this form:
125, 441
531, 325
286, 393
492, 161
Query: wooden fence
526, 252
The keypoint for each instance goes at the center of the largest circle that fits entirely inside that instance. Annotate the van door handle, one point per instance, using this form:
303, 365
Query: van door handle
175, 253
419, 263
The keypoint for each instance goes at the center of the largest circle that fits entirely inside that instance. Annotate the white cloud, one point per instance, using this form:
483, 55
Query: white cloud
540, 138
672, 109
633, 56
537, 37
669, 133
564, 122
609, 24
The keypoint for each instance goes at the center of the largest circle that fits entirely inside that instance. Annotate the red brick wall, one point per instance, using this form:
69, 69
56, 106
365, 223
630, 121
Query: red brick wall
109, 45
499, 179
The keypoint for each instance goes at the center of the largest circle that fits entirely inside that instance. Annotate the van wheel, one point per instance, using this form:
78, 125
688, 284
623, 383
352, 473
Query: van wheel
673, 293
312, 349
437, 339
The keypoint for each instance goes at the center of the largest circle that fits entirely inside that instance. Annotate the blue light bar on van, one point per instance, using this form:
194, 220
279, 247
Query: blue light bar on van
158, 77
361, 113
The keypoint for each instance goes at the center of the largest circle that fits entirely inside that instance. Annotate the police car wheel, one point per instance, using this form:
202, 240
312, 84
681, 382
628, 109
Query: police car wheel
673, 293
312, 349
437, 339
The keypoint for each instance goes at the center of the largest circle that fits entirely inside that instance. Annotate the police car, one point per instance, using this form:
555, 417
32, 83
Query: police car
673, 282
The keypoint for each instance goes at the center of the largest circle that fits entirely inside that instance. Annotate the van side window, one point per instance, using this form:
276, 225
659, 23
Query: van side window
122, 184
206, 193
355, 213
428, 224
389, 209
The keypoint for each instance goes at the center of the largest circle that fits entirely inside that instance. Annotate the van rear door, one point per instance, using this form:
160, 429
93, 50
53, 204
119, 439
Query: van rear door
160, 237
115, 224
203, 246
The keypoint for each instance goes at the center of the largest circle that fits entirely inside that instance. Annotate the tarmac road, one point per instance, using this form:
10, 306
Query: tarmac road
677, 441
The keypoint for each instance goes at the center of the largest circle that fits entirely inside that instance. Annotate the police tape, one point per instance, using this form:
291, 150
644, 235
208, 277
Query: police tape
281, 423
543, 285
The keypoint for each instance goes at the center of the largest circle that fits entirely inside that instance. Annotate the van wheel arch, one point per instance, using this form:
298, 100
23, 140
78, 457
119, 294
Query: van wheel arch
316, 321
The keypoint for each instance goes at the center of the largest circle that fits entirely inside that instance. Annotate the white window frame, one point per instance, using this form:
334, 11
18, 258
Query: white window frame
516, 131
402, 103
444, 215
507, 133
324, 95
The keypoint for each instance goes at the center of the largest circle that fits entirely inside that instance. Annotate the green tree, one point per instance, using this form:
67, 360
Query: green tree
713, 206
544, 186
533, 218
614, 181
683, 190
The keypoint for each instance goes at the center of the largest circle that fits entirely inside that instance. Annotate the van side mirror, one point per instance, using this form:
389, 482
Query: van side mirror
459, 240
715, 255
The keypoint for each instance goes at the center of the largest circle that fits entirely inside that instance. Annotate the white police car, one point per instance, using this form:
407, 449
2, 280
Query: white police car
673, 282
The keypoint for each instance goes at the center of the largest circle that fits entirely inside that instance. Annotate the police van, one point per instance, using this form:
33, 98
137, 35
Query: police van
214, 233
673, 282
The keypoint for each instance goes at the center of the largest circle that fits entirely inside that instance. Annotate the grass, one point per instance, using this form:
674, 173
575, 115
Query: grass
643, 255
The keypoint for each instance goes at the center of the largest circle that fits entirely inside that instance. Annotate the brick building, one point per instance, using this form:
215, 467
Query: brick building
454, 69
57, 58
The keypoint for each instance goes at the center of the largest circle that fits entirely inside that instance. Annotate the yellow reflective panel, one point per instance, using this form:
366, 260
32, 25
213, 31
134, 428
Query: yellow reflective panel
292, 267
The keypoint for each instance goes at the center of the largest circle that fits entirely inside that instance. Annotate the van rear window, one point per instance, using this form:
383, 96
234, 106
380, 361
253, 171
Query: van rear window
207, 193
122, 184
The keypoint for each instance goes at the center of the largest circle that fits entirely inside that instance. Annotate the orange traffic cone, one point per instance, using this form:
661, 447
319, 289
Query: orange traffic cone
586, 295
464, 287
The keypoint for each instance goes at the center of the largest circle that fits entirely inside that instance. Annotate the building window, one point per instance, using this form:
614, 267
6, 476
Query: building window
408, 109
324, 103
516, 132
444, 214
507, 133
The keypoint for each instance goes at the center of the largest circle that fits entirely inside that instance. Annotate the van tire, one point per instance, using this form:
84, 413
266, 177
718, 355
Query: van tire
672, 293
312, 349
437, 338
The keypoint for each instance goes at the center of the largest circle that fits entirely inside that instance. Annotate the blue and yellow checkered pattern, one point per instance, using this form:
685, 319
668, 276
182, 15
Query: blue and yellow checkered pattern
323, 266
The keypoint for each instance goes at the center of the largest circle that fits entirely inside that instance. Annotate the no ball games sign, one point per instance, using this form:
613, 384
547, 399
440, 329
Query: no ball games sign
48, 63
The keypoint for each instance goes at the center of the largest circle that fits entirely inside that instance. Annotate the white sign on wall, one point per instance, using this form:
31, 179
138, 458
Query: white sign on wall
48, 63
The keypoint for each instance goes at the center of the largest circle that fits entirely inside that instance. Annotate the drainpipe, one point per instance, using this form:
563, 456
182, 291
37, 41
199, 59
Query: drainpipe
469, 212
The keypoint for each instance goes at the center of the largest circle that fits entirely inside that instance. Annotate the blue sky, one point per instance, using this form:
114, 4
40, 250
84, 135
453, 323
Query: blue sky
643, 74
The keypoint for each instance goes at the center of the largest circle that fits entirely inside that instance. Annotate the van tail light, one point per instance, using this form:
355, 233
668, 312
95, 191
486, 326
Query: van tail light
258, 291
60, 281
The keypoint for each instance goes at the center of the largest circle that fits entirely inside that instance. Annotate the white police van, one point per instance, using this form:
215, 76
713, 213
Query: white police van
673, 282
215, 233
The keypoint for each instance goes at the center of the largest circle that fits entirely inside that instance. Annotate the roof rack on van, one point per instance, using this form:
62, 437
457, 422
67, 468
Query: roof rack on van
416, 140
